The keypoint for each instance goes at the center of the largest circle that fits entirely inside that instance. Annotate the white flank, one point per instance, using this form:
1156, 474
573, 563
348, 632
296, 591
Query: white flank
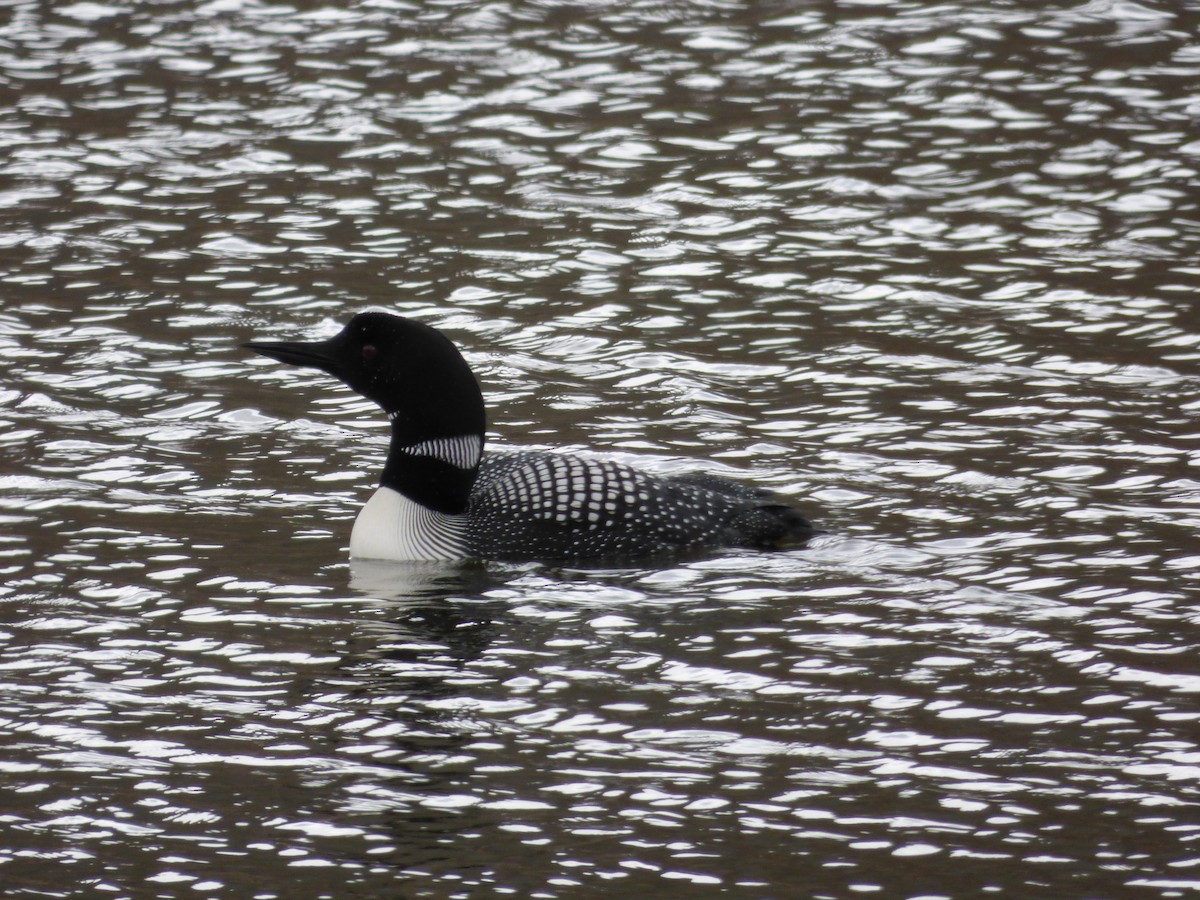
463, 451
393, 527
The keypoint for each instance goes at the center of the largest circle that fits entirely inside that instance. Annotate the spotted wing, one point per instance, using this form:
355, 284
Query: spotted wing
537, 505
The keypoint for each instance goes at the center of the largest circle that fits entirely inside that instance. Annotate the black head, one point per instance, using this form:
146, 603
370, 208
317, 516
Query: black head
411, 370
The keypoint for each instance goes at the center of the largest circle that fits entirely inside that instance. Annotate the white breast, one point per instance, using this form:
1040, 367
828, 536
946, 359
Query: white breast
393, 527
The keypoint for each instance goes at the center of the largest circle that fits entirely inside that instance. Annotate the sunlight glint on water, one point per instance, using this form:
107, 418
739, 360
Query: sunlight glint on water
929, 272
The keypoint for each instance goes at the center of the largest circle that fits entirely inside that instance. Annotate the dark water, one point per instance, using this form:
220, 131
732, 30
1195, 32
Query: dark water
930, 269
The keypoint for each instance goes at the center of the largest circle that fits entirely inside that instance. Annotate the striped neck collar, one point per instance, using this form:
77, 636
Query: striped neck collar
462, 452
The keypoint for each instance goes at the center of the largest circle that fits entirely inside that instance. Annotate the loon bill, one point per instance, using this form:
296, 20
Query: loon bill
440, 497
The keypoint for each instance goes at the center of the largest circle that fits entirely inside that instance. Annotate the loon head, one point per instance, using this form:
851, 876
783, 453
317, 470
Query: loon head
416, 374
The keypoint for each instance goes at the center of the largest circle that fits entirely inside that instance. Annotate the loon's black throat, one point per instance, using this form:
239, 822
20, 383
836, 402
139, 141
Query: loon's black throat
437, 472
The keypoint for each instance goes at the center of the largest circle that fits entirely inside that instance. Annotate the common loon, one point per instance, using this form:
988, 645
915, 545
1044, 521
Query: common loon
441, 498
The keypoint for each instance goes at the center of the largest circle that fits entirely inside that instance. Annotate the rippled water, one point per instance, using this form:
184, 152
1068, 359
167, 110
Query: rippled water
931, 270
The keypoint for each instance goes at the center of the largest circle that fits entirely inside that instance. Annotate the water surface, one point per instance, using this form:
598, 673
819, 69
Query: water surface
929, 271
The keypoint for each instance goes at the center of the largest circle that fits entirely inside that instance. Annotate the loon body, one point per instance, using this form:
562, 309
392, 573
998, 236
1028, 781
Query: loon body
440, 497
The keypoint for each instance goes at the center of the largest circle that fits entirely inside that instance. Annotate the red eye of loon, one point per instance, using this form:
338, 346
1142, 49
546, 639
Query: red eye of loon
369, 352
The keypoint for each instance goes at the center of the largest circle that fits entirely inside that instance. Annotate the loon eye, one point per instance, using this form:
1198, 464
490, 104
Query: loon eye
369, 352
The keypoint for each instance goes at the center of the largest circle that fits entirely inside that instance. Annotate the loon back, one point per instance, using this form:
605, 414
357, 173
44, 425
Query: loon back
575, 507
441, 498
